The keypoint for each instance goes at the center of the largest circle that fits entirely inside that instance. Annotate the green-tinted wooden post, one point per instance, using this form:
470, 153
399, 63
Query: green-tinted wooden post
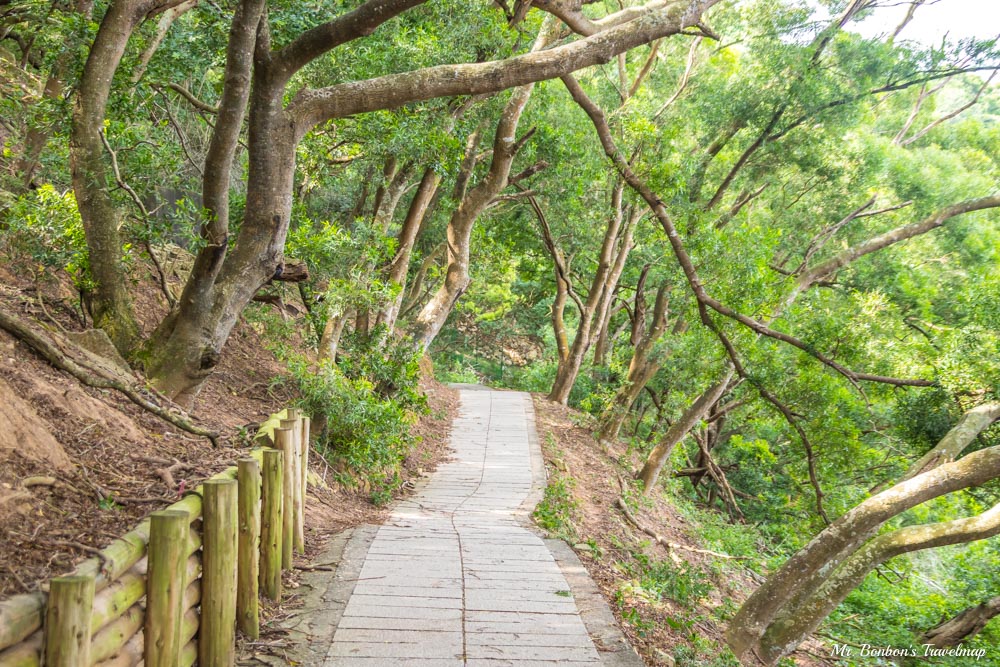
247, 612
165, 585
217, 634
271, 524
284, 439
67, 621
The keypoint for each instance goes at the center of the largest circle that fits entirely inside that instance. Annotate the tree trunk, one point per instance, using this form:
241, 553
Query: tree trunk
605, 338
505, 147
795, 624
558, 318
388, 196
398, 268
186, 347
569, 368
657, 458
329, 342
38, 134
595, 311
641, 368
796, 598
110, 303
964, 626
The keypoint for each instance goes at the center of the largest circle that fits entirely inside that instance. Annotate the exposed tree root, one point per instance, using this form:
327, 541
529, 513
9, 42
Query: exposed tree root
664, 542
166, 470
44, 345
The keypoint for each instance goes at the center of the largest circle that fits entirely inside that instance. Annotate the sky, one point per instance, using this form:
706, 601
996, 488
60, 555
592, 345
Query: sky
958, 18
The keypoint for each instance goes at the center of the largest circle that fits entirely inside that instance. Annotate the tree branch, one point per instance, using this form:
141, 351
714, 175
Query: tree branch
810, 454
881, 241
189, 96
359, 22
704, 299
658, 19
948, 116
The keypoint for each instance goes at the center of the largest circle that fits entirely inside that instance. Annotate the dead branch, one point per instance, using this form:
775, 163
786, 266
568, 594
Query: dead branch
719, 477
93, 551
29, 482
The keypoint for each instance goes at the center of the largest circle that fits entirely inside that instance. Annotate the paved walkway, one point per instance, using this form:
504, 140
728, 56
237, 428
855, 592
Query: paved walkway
454, 577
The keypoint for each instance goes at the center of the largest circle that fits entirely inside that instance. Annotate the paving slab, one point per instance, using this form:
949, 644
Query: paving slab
457, 576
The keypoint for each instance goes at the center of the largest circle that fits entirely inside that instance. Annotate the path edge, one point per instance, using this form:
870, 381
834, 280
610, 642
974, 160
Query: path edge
323, 604
602, 626
612, 646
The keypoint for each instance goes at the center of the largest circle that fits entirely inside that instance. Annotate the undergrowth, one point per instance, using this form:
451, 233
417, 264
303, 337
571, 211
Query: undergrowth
363, 407
555, 512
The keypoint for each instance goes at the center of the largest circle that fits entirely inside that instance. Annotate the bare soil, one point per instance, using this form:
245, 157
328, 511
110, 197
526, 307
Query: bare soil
611, 548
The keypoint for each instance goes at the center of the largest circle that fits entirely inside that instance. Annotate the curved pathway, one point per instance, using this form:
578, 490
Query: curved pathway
454, 577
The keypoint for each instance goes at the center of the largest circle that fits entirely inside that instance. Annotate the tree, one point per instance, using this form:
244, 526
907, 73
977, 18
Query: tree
185, 347
962, 626
595, 311
805, 275
792, 602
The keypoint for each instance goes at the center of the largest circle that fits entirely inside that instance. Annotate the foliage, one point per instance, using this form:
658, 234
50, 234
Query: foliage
43, 231
364, 407
364, 428
760, 146
555, 511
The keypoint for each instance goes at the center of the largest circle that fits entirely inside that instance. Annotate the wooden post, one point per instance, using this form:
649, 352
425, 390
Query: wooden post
271, 525
306, 451
299, 527
304, 470
247, 612
217, 634
67, 621
168, 556
284, 439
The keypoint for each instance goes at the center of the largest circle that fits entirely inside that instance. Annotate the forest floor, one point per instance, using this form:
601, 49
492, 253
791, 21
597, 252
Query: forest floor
672, 602
80, 466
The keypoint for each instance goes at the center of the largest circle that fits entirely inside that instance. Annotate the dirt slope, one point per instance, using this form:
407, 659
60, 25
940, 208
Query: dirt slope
79, 466
671, 602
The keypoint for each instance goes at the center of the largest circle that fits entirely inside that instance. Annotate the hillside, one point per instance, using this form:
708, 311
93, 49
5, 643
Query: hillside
80, 466
662, 568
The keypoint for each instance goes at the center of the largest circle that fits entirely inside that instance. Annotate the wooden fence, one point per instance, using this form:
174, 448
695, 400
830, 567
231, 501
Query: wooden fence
175, 589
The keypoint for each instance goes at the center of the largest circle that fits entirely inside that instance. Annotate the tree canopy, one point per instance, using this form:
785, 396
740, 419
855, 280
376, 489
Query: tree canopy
757, 245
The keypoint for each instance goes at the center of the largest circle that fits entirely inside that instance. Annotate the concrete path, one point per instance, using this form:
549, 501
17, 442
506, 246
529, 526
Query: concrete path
454, 577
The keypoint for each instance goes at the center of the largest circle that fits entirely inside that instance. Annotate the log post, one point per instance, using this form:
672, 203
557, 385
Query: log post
299, 535
304, 483
217, 634
271, 525
248, 557
284, 439
165, 585
67, 621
